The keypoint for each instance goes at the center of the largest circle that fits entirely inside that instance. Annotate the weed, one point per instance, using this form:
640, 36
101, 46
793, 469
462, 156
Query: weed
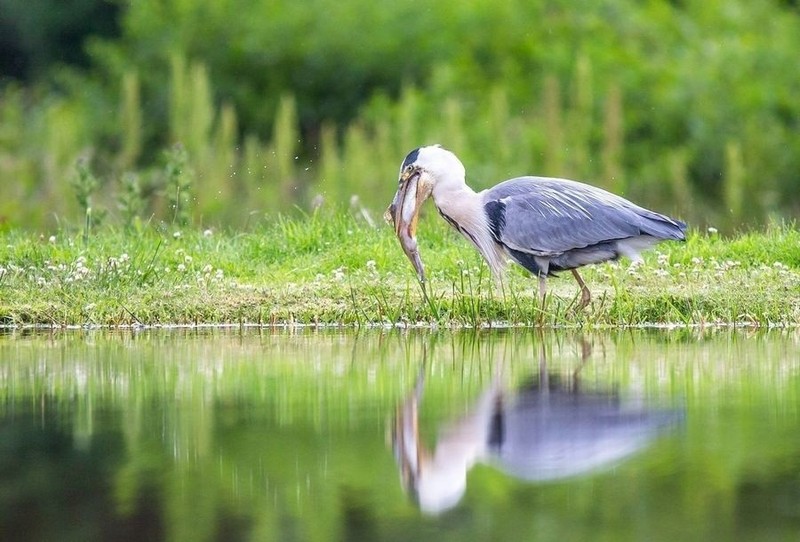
130, 201
85, 184
179, 178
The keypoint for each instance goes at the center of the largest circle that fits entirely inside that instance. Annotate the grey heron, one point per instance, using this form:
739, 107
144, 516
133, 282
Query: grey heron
544, 224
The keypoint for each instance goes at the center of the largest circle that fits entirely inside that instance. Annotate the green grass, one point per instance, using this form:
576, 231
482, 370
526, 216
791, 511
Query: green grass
334, 268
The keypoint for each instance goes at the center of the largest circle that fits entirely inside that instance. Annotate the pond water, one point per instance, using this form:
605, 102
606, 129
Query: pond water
399, 435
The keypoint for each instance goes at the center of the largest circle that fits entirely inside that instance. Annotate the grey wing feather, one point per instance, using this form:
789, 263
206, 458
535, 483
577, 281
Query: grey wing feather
547, 216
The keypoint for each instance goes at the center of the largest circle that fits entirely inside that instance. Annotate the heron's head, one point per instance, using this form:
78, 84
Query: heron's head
424, 170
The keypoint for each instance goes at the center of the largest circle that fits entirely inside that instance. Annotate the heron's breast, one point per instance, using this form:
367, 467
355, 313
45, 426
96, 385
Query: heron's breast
478, 233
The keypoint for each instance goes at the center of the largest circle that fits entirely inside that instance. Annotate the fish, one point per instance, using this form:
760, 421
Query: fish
403, 214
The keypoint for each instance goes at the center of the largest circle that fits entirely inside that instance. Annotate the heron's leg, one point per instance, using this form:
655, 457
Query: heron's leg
542, 286
586, 296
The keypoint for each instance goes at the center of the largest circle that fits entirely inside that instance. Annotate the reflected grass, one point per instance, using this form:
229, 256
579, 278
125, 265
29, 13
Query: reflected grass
334, 268
287, 428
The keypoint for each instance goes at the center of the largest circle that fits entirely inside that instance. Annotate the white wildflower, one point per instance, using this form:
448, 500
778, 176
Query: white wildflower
208, 233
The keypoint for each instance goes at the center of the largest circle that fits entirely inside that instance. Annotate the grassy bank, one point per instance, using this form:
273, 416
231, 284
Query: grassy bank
336, 268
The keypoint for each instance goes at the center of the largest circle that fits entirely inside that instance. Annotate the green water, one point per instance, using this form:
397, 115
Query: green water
399, 435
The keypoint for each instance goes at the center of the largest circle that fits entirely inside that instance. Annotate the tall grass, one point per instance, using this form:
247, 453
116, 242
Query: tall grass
130, 119
571, 129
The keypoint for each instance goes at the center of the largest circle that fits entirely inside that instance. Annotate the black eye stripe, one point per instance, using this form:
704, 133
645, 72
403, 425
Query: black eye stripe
411, 158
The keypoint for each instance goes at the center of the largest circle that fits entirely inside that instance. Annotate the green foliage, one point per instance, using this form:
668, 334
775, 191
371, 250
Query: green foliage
130, 122
36, 36
179, 179
679, 106
130, 201
284, 174
85, 184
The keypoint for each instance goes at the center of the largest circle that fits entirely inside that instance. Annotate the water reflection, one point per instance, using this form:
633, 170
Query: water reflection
213, 435
550, 428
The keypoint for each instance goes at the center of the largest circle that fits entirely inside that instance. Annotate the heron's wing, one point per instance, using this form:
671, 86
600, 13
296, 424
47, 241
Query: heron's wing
546, 216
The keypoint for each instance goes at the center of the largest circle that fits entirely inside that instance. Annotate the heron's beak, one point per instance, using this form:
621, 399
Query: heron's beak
404, 213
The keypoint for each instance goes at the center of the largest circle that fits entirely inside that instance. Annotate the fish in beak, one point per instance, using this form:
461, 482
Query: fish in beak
404, 213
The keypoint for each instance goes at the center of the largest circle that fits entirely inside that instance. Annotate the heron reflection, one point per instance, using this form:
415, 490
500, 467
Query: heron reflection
549, 429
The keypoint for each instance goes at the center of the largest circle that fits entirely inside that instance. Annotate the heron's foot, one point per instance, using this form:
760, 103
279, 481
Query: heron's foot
586, 296
577, 305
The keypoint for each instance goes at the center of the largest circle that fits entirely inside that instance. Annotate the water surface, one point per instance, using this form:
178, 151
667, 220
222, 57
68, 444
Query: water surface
398, 435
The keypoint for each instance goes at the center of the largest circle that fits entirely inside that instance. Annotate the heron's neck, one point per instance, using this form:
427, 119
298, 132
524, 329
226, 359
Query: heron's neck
463, 208
455, 196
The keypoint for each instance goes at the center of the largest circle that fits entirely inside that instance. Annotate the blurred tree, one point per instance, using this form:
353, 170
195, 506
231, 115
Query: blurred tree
34, 34
649, 93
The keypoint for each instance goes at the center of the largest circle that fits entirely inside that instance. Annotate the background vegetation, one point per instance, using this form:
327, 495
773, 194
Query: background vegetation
219, 111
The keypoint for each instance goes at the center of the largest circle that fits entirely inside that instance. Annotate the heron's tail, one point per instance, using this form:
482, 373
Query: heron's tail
662, 227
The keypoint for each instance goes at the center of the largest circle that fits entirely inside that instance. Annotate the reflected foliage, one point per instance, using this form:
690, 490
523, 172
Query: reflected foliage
286, 435
55, 487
